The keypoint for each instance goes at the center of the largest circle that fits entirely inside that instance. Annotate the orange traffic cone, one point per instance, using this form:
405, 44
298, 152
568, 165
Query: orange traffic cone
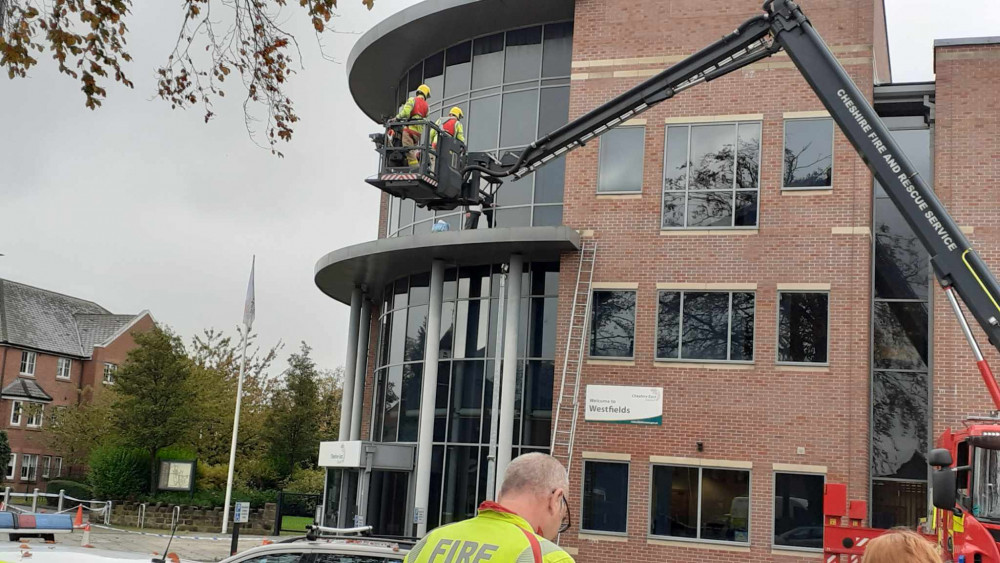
266, 542
78, 521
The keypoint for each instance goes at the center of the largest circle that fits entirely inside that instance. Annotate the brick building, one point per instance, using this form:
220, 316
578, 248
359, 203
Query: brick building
55, 350
748, 274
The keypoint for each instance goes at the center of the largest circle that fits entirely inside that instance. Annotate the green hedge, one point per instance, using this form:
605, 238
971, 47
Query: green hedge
213, 498
73, 489
118, 473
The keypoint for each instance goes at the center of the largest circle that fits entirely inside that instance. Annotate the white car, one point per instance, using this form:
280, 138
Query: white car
325, 550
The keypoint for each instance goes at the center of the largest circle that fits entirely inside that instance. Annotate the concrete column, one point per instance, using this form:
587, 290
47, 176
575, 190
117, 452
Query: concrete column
347, 401
508, 387
428, 397
362, 368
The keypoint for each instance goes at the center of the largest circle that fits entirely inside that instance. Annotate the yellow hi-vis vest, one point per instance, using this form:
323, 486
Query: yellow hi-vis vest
495, 535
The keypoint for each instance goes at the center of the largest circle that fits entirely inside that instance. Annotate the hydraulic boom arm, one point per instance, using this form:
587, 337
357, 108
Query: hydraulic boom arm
784, 27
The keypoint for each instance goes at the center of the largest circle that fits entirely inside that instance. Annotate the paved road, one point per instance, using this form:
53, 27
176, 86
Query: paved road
144, 545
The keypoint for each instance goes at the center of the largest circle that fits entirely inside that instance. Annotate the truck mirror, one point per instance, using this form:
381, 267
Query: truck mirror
943, 481
939, 457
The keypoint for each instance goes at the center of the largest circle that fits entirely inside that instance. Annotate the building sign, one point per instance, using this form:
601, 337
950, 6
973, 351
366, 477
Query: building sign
176, 475
624, 405
242, 513
340, 454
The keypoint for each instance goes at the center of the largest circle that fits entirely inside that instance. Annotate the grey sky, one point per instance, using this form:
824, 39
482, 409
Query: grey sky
139, 207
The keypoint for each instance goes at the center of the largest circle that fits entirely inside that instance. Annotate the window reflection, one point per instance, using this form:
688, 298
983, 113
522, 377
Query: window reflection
899, 424
808, 161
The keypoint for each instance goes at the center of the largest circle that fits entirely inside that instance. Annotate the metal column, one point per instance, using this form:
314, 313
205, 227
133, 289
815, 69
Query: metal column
509, 384
362, 367
347, 401
428, 398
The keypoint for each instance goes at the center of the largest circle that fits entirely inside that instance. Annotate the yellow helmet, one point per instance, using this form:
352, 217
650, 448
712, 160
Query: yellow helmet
425, 90
457, 112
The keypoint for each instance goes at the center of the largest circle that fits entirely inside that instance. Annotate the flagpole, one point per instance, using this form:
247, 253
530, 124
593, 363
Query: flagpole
248, 315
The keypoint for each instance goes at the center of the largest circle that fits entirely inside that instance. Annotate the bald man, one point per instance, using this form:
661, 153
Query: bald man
531, 510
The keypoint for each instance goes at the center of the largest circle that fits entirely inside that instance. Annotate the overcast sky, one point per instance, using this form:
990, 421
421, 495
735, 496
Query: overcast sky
136, 207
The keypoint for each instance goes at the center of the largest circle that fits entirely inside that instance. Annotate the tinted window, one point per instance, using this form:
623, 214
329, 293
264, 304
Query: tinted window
711, 175
409, 404
524, 53
538, 403
612, 325
517, 121
899, 424
902, 265
458, 73
466, 402
461, 476
416, 333
808, 161
487, 61
798, 510
393, 389
901, 334
558, 49
516, 217
484, 124
605, 496
620, 166
434, 75
548, 216
725, 505
549, 182
708, 326
553, 111
802, 327
276, 558
896, 503
719, 497
336, 558
674, 503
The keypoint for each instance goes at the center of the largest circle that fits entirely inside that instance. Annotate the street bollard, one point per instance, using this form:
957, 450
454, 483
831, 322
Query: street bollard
62, 499
34, 500
6, 498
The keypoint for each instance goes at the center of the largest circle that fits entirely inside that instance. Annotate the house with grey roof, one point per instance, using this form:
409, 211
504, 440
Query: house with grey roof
55, 350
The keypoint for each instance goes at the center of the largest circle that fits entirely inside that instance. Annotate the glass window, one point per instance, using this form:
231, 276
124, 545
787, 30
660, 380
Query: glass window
487, 61
901, 334
705, 325
557, 55
340, 558
276, 558
605, 496
416, 333
484, 124
899, 424
542, 333
416, 78
798, 510
544, 278
29, 464
553, 111
35, 412
465, 414
58, 467
11, 466
620, 161
397, 338
461, 476
393, 390
612, 324
409, 405
406, 207
472, 325
538, 403
109, 373
434, 75
516, 192
549, 182
898, 503
711, 175
808, 161
458, 73
445, 347
547, 216
700, 503
802, 327
63, 368
16, 411
46, 466
28, 363
902, 265
420, 289
517, 120
524, 53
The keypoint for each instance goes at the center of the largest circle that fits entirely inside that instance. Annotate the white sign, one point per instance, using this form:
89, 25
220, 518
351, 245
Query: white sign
418, 515
340, 454
624, 405
242, 513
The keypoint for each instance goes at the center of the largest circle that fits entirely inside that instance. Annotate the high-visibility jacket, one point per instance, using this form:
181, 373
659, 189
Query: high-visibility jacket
450, 125
415, 108
496, 535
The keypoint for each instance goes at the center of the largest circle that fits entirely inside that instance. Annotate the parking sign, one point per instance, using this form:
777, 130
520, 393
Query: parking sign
242, 513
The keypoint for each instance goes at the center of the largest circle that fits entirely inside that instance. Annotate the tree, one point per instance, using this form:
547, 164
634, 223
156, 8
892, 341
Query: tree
331, 393
155, 397
76, 430
4, 448
292, 428
88, 40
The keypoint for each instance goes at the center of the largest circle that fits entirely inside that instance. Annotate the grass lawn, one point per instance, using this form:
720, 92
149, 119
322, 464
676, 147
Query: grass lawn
295, 525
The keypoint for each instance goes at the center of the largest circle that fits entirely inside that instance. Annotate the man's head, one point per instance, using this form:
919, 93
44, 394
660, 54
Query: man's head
535, 487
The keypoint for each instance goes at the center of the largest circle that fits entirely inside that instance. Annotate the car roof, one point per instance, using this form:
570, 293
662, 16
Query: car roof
366, 547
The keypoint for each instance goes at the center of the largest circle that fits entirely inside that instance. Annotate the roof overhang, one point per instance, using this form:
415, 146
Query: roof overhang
386, 51
375, 263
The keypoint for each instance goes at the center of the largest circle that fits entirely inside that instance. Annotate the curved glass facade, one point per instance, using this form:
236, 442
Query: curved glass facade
465, 375
513, 87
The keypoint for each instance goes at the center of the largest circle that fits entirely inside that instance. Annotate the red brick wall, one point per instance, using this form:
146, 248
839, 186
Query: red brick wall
762, 414
967, 179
